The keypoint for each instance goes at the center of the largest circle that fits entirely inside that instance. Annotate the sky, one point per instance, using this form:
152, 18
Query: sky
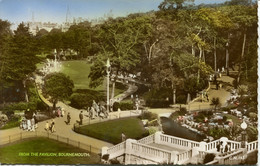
17, 11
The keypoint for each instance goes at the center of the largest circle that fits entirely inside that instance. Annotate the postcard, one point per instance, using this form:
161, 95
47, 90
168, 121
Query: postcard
99, 82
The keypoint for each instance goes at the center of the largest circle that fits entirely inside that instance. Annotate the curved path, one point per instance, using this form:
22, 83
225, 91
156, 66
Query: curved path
62, 129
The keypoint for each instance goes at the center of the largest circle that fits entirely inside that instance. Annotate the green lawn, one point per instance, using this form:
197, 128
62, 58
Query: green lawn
12, 154
110, 131
79, 70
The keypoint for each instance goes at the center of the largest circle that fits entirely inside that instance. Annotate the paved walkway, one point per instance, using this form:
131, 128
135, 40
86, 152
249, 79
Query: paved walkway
62, 129
222, 93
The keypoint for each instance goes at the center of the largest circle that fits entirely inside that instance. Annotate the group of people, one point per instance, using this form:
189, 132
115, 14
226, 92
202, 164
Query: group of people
50, 127
223, 147
60, 112
30, 121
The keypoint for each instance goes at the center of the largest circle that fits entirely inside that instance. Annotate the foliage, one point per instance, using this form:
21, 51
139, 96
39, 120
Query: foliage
208, 158
58, 86
13, 122
123, 105
215, 102
157, 98
82, 100
148, 115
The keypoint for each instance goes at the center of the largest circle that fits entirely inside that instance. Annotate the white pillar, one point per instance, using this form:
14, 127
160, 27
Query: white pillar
157, 138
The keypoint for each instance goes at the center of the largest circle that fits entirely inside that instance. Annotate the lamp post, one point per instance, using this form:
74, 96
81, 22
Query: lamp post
108, 72
243, 126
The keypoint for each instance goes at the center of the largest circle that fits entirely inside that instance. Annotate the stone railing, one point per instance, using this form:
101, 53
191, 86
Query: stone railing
184, 157
150, 153
147, 140
234, 145
252, 146
214, 162
233, 158
175, 141
212, 145
116, 150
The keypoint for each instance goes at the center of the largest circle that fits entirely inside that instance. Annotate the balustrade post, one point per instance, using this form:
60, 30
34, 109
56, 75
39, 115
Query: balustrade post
157, 137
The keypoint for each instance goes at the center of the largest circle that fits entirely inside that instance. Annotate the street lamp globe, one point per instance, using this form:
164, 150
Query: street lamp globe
243, 125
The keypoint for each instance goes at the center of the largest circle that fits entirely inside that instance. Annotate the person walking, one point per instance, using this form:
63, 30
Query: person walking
80, 117
68, 118
59, 112
35, 121
53, 126
62, 112
47, 126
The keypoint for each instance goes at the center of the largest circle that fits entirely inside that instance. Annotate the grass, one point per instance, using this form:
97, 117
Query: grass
79, 70
10, 154
110, 131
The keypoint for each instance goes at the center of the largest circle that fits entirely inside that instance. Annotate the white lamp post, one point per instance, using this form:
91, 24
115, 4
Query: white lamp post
243, 126
108, 72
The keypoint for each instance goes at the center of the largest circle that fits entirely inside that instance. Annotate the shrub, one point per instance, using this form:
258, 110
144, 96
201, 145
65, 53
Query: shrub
209, 157
148, 115
183, 111
157, 103
152, 130
126, 105
181, 99
81, 100
157, 98
116, 105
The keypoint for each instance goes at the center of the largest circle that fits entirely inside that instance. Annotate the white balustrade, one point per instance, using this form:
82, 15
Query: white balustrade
233, 158
147, 140
234, 145
184, 157
116, 150
212, 145
150, 153
252, 146
176, 141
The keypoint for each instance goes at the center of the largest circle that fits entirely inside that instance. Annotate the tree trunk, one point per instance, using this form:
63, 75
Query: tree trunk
203, 55
227, 56
25, 91
173, 94
215, 55
113, 90
241, 59
227, 61
54, 105
192, 49
198, 78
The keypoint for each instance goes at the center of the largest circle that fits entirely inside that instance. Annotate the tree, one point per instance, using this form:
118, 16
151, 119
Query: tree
58, 86
119, 40
173, 4
19, 60
215, 102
